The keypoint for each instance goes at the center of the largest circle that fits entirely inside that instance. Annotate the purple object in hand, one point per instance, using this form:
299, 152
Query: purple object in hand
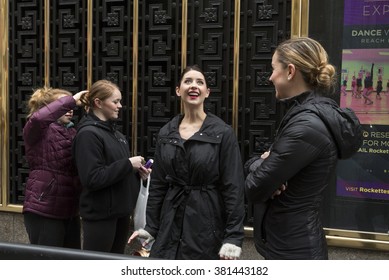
148, 164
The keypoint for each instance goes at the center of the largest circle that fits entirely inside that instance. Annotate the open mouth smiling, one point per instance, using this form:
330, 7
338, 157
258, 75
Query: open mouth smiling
193, 94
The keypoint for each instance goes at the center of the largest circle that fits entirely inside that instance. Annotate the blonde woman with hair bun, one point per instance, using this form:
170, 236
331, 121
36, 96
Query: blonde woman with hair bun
312, 136
52, 191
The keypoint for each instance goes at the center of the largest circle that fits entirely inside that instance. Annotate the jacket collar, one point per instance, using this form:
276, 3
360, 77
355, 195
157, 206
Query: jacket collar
212, 127
91, 119
299, 99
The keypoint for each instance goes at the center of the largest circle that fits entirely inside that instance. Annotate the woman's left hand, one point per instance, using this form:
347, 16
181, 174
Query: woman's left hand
229, 252
77, 97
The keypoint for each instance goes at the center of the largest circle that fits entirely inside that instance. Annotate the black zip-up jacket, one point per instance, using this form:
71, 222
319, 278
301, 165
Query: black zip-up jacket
196, 196
312, 136
110, 186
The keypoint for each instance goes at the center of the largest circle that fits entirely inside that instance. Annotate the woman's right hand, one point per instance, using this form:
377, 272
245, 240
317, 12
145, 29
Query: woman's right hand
77, 97
143, 235
137, 161
144, 172
279, 191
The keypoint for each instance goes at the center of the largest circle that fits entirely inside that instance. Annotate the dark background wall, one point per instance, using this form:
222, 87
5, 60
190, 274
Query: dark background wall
210, 43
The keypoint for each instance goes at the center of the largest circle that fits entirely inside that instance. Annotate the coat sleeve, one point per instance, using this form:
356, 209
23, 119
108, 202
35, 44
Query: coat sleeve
157, 192
232, 180
41, 119
299, 144
93, 171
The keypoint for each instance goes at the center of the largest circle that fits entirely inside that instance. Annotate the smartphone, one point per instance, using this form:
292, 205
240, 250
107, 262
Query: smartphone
148, 164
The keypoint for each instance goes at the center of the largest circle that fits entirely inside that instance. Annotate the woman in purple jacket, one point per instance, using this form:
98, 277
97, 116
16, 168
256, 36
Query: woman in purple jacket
51, 211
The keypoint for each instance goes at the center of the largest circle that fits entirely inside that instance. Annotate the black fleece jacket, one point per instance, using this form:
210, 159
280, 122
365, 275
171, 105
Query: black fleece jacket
110, 186
313, 134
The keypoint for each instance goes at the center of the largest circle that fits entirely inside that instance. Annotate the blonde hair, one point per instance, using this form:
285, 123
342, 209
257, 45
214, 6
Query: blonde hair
44, 96
101, 89
310, 58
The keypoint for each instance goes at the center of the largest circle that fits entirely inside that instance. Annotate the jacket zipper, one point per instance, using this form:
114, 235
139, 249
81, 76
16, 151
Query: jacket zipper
48, 188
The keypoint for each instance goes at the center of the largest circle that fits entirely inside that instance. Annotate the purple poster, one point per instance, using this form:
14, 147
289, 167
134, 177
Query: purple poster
366, 24
367, 12
366, 174
365, 89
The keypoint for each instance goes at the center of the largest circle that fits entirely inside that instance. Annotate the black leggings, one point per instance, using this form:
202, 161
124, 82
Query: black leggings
108, 235
53, 232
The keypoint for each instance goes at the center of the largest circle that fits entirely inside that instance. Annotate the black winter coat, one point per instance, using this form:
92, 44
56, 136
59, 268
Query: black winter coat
196, 199
304, 155
110, 186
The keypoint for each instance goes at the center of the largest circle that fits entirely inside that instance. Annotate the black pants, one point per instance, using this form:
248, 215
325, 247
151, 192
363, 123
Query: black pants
53, 232
108, 235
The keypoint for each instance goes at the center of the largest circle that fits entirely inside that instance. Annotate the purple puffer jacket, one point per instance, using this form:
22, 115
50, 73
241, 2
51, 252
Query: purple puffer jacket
53, 187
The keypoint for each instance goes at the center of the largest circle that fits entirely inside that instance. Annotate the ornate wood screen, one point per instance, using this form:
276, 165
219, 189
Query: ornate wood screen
49, 43
64, 66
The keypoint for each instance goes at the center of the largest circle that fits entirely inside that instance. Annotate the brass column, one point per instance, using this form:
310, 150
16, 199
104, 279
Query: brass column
235, 90
89, 51
300, 18
135, 30
47, 42
184, 39
4, 136
184, 35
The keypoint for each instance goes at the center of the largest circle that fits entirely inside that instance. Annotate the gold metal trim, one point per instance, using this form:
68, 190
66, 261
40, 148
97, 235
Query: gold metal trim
305, 18
14, 208
349, 239
4, 106
184, 40
184, 35
89, 51
357, 234
235, 90
135, 46
300, 18
47, 42
4, 145
357, 239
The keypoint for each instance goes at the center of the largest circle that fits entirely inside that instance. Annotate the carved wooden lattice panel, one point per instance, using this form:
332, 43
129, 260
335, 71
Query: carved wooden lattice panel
211, 46
210, 43
68, 46
264, 24
159, 69
25, 73
112, 51
67, 67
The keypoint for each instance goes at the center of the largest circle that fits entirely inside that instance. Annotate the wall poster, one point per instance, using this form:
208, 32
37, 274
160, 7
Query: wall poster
363, 181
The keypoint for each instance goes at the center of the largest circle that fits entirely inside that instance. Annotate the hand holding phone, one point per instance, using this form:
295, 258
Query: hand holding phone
148, 164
